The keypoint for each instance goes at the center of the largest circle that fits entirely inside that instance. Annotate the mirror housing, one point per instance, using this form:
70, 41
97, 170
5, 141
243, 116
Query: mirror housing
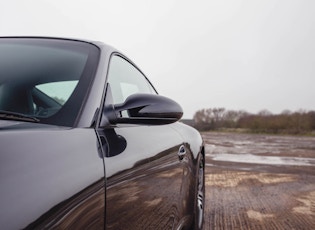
146, 109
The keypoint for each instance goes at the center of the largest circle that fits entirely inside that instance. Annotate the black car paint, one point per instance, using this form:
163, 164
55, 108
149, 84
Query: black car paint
61, 177
39, 175
152, 180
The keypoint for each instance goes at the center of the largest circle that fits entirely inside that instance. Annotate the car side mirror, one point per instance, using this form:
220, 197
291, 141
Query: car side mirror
147, 109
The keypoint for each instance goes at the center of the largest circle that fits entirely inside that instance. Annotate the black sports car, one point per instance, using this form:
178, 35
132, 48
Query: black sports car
87, 143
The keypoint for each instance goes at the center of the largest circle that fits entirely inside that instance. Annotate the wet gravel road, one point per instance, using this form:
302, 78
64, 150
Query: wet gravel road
259, 181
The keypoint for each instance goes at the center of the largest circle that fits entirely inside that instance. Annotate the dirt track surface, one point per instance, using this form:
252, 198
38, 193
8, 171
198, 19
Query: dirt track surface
259, 182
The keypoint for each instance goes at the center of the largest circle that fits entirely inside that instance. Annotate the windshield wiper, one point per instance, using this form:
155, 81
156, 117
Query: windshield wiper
8, 115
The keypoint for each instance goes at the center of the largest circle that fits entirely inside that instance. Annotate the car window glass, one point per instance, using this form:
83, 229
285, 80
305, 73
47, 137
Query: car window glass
59, 91
125, 80
48, 98
45, 79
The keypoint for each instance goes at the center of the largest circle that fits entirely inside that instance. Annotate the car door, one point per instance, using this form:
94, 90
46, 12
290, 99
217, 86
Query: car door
146, 165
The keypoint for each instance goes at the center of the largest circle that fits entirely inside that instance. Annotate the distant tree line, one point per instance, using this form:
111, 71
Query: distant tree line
299, 122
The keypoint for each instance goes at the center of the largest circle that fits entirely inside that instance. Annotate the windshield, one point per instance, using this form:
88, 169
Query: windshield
45, 78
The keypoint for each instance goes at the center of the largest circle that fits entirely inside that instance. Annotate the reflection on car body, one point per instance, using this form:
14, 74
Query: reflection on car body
86, 142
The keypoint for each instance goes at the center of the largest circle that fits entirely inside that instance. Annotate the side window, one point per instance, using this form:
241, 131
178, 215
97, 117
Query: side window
125, 80
48, 98
59, 91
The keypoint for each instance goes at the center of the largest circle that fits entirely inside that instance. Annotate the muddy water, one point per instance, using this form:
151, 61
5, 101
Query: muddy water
259, 181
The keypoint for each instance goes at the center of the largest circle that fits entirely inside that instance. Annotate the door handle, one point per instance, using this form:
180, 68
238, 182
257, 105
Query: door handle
181, 152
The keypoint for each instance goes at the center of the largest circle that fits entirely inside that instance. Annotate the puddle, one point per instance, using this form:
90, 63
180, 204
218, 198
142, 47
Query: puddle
269, 160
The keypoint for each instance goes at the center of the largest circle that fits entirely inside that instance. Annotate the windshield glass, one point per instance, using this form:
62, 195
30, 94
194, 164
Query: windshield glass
46, 78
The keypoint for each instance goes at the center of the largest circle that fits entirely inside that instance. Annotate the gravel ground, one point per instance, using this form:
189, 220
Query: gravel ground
259, 181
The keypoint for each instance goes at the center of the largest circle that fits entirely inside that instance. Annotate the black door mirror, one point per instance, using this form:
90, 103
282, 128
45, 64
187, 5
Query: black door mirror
149, 109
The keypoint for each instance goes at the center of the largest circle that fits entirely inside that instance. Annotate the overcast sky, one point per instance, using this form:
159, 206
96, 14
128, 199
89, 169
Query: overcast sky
237, 54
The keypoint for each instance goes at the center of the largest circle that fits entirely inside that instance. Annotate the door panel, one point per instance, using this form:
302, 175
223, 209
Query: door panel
144, 188
52, 179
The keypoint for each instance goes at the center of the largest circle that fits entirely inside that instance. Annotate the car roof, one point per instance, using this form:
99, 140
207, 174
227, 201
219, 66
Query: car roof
94, 42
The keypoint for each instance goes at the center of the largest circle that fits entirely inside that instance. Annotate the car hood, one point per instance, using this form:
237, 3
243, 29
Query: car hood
21, 125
